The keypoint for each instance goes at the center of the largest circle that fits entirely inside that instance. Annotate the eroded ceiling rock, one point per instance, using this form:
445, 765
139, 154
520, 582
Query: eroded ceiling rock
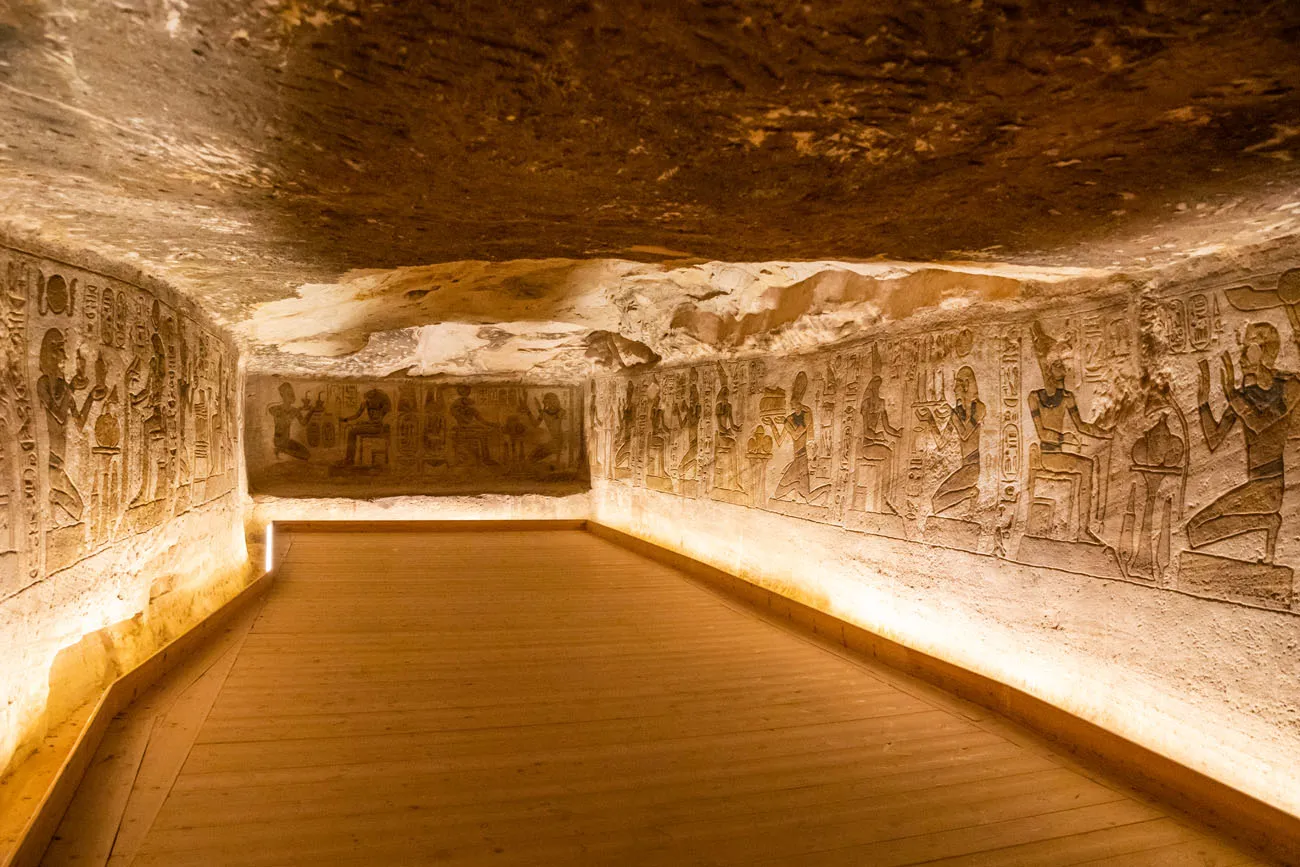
557, 319
255, 152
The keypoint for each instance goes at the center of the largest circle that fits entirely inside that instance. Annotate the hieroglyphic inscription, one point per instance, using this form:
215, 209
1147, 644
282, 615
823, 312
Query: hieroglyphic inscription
1063, 438
410, 436
117, 412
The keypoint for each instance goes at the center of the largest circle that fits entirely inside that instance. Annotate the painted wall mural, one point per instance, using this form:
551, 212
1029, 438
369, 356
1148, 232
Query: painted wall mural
117, 412
411, 436
1140, 437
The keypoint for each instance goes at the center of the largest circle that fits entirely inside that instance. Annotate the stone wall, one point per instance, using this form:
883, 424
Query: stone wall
325, 438
120, 514
1084, 497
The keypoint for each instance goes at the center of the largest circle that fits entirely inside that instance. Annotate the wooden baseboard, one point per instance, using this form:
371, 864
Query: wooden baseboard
429, 526
47, 811
1256, 824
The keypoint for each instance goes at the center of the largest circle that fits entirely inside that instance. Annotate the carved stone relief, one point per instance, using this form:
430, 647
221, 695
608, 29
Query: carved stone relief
411, 436
1143, 437
117, 408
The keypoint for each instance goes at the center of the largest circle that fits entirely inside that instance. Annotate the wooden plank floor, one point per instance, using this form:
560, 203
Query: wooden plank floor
546, 697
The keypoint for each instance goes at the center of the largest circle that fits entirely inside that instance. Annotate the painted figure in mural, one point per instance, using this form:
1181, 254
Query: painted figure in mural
375, 406
59, 398
874, 476
796, 480
1051, 407
550, 418
1264, 404
150, 399
964, 421
725, 473
283, 415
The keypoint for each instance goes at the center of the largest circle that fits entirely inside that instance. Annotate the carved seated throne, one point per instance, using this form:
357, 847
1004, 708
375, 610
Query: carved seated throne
371, 447
1044, 512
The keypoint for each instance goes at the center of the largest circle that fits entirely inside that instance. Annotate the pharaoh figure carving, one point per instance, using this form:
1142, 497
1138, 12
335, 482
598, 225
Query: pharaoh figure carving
965, 419
58, 397
1059, 451
283, 415
1263, 403
795, 484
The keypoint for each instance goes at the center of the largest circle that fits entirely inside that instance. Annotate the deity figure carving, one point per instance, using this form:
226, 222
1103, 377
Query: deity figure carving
375, 407
873, 477
1055, 410
471, 434
58, 396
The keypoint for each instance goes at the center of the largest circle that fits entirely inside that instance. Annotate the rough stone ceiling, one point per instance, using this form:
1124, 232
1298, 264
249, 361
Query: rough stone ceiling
247, 148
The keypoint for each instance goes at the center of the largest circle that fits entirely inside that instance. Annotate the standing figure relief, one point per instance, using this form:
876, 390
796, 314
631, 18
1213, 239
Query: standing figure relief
796, 480
1058, 422
58, 397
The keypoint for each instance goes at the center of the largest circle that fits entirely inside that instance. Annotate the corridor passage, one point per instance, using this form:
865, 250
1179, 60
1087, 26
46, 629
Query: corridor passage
541, 697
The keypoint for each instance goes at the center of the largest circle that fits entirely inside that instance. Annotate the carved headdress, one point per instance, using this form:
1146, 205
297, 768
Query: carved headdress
1047, 349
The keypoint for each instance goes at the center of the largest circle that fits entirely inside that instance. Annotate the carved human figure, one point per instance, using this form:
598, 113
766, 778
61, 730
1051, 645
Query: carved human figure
597, 433
657, 440
220, 443
726, 472
150, 399
58, 396
471, 431
375, 406
1055, 409
516, 432
283, 415
550, 418
796, 480
689, 413
623, 432
1264, 404
873, 475
964, 421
